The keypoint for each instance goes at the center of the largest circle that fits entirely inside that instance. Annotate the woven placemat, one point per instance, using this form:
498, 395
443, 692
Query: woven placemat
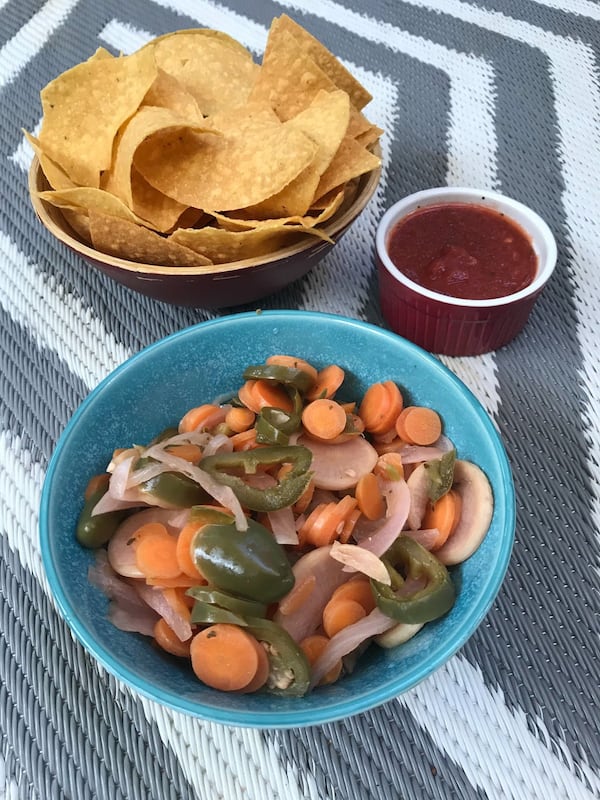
501, 94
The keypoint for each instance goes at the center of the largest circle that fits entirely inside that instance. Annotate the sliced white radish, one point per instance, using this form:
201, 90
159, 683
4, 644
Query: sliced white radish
399, 634
340, 466
328, 574
476, 513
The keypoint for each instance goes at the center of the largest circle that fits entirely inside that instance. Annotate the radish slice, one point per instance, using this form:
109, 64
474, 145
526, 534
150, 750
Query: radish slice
340, 466
426, 537
359, 559
121, 546
347, 640
399, 634
414, 454
141, 621
328, 574
476, 513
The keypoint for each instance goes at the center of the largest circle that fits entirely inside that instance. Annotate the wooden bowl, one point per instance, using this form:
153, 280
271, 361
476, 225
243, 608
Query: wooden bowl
221, 286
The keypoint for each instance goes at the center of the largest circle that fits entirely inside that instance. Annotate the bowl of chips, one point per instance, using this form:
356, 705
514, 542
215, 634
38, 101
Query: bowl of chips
194, 175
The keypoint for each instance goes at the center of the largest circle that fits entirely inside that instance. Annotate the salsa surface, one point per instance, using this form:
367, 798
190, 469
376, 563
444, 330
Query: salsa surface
462, 250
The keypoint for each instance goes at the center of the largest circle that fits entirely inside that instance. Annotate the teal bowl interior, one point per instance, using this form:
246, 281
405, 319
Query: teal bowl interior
153, 389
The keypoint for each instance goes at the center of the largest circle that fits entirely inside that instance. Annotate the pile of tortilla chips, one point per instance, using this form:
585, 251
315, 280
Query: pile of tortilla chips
188, 153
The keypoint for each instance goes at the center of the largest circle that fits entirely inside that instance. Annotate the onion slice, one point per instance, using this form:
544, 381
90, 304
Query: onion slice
283, 525
222, 494
359, 559
397, 496
347, 640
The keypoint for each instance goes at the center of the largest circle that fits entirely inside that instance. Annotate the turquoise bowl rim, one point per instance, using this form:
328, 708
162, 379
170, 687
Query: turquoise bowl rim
291, 715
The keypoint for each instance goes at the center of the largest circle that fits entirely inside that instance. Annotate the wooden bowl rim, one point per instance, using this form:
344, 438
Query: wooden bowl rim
37, 182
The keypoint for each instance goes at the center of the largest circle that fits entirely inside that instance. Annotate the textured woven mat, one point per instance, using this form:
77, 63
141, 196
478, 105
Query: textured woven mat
501, 94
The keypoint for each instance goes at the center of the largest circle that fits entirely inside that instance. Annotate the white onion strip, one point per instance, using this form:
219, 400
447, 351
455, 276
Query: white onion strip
359, 559
347, 640
222, 494
397, 496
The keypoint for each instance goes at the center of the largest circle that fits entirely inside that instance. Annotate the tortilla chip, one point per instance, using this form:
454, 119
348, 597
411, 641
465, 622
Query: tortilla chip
124, 239
324, 121
293, 200
56, 177
80, 223
289, 79
223, 246
350, 161
85, 199
148, 121
84, 108
330, 65
162, 212
214, 68
238, 169
167, 92
370, 136
331, 203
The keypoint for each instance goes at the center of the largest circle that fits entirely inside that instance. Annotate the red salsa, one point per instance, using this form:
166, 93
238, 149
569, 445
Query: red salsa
463, 250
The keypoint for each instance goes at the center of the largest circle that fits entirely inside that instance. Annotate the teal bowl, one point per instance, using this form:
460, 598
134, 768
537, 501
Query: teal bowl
153, 389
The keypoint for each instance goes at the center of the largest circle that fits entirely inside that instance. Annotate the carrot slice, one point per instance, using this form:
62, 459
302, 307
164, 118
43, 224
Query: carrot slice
339, 614
326, 522
389, 466
189, 452
329, 380
444, 515
246, 396
169, 641
324, 418
269, 393
155, 552
244, 440
224, 656
296, 598
262, 671
194, 418
358, 589
312, 647
295, 363
419, 425
369, 497
380, 407
239, 419
182, 581
183, 549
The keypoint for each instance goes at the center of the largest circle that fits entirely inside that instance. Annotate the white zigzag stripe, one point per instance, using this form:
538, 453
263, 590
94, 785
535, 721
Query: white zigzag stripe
493, 744
19, 50
40, 304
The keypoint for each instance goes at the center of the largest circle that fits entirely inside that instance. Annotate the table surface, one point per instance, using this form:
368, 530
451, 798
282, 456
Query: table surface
499, 94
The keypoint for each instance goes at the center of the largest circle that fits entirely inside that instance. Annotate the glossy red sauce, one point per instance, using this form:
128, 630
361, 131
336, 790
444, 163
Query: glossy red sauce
463, 250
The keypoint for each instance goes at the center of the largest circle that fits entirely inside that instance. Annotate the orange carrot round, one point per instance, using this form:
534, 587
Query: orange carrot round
339, 614
380, 406
156, 552
262, 671
246, 396
294, 363
189, 452
271, 394
358, 589
224, 656
389, 466
369, 497
323, 418
193, 419
419, 425
239, 419
329, 380
312, 647
183, 549
167, 640
444, 515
